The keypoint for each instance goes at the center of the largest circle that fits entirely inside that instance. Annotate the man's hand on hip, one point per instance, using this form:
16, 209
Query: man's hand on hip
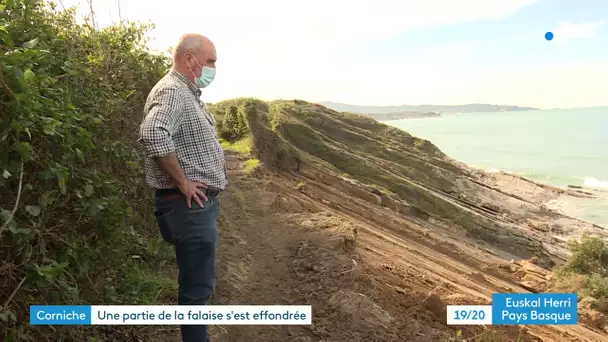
192, 190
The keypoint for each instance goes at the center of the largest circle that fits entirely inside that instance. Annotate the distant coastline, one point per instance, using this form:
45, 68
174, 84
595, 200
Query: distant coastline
399, 115
386, 113
555, 155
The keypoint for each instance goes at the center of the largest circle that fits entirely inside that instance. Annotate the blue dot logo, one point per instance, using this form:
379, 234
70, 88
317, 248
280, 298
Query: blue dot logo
548, 35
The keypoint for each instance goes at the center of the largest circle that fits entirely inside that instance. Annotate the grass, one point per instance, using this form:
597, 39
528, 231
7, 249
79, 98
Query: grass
300, 186
146, 286
383, 190
250, 165
239, 198
243, 146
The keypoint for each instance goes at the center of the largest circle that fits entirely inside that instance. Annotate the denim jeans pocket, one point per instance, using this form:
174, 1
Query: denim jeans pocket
166, 225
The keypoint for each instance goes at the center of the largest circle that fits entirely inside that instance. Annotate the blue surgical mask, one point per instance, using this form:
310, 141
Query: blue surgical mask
206, 77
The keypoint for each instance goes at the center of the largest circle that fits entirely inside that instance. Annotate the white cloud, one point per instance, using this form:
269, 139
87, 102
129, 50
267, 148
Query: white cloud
565, 31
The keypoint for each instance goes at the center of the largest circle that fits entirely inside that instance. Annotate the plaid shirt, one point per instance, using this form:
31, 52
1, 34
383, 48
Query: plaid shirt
176, 121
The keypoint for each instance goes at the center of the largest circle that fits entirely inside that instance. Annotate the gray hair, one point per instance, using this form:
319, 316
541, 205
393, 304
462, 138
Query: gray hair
188, 43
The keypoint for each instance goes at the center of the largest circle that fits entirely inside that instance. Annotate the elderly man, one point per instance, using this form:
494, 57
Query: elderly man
186, 168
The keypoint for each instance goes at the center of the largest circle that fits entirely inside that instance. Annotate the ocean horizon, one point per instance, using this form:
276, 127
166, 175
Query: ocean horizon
559, 147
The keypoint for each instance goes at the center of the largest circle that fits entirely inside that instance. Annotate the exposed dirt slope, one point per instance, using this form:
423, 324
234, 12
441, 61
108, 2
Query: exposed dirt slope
383, 164
371, 274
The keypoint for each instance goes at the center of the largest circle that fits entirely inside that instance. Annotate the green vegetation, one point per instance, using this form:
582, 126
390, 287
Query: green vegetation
75, 217
586, 272
246, 125
383, 190
243, 146
250, 165
239, 198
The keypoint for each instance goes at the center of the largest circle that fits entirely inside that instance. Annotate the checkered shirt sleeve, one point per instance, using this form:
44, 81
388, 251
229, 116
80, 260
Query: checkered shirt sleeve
164, 115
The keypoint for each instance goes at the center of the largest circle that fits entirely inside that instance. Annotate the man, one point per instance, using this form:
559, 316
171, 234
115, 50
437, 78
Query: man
185, 165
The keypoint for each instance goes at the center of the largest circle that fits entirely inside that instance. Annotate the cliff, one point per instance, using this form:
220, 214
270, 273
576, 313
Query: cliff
365, 203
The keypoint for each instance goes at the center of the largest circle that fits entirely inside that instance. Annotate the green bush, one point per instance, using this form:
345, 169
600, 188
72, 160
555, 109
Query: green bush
589, 256
74, 212
586, 272
247, 127
234, 125
232, 117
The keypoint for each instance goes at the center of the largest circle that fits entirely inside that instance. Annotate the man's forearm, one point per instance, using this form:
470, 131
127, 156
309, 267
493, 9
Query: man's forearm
170, 165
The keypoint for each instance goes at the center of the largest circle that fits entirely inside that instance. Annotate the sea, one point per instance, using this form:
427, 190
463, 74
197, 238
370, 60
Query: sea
560, 147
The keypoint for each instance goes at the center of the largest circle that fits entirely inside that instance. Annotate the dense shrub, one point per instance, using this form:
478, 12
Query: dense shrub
233, 127
253, 122
74, 224
232, 117
586, 272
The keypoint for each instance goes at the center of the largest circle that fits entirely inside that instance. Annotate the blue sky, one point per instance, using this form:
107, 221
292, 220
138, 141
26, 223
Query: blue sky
516, 42
394, 51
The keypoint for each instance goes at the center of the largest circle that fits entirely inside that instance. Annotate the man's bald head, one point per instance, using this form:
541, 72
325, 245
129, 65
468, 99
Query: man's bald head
192, 52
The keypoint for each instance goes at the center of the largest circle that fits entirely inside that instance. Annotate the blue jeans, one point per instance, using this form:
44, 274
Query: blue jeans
193, 232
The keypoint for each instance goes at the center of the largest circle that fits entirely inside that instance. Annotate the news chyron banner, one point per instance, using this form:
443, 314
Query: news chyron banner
171, 315
506, 309
518, 308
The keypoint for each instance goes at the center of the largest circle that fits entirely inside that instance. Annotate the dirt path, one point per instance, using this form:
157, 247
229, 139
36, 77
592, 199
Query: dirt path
369, 273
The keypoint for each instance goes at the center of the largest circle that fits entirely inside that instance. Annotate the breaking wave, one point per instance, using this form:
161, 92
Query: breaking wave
595, 183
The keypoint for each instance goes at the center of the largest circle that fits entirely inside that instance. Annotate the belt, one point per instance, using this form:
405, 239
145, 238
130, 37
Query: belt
173, 191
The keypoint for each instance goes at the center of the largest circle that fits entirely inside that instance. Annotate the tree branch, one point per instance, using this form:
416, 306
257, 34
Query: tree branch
4, 83
10, 218
14, 292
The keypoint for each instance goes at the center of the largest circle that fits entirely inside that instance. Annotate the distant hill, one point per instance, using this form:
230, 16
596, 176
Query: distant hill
397, 115
406, 111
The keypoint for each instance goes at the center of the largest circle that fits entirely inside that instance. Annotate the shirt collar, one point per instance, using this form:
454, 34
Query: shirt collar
195, 90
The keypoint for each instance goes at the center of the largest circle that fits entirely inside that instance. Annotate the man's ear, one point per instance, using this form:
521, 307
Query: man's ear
189, 59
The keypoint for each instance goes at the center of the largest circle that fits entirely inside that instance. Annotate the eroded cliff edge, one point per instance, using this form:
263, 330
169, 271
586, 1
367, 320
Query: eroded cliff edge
400, 172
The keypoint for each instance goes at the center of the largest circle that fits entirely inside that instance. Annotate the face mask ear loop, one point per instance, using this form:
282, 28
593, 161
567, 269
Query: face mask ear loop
199, 64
